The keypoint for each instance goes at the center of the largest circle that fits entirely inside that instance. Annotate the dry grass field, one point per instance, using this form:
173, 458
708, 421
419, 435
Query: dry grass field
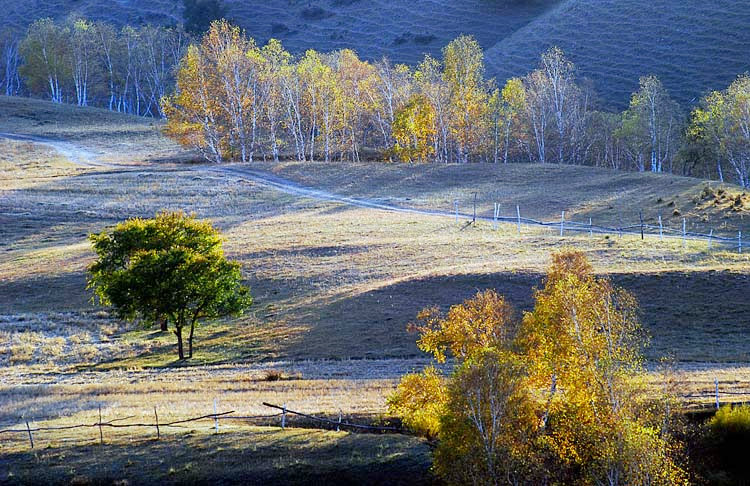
692, 45
334, 285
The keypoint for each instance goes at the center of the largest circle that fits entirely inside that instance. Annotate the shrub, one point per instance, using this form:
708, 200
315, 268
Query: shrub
728, 434
420, 400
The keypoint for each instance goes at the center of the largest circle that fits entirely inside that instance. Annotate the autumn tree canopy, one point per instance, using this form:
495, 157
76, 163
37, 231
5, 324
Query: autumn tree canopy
556, 396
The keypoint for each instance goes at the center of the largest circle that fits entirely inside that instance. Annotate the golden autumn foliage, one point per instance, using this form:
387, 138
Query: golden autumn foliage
482, 322
420, 400
414, 130
556, 397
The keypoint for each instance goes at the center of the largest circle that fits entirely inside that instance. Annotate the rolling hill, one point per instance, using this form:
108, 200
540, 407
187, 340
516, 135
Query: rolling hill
692, 45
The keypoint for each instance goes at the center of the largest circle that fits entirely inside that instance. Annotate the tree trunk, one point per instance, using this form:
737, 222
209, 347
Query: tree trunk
180, 350
190, 339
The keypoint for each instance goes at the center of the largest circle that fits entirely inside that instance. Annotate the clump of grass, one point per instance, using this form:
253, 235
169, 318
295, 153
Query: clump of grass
279, 375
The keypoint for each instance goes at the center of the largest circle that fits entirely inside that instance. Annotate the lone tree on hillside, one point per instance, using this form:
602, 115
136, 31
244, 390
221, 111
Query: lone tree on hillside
169, 269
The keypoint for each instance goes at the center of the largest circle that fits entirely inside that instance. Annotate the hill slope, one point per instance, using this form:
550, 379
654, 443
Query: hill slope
692, 45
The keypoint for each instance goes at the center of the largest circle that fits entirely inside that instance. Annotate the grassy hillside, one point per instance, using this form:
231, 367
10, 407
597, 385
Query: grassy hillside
320, 269
334, 285
692, 45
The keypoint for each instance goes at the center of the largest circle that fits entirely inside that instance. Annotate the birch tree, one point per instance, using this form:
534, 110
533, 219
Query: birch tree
10, 59
463, 63
47, 59
725, 118
430, 83
651, 127
83, 49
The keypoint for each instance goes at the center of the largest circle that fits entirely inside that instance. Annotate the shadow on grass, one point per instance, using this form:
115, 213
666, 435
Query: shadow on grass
693, 316
250, 456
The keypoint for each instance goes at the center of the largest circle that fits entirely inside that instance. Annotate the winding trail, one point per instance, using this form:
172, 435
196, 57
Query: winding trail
289, 187
88, 159
74, 153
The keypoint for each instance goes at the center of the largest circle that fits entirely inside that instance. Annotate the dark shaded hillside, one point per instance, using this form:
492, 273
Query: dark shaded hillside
693, 45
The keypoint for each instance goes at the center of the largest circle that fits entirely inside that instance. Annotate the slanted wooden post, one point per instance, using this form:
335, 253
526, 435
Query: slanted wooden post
283, 417
518, 212
716, 385
495, 216
562, 223
591, 228
31, 438
101, 435
338, 426
156, 416
216, 419
710, 239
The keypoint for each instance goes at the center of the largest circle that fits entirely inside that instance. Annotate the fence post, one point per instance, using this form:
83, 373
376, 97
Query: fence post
739, 241
101, 435
716, 385
710, 239
497, 211
684, 232
562, 223
518, 213
338, 426
474, 219
661, 229
455, 208
31, 438
216, 419
640, 215
156, 416
283, 417
591, 229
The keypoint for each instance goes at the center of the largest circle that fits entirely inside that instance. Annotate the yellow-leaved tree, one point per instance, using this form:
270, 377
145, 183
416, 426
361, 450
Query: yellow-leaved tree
414, 130
557, 397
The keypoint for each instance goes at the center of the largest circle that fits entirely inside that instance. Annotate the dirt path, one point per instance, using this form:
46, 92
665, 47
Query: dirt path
86, 158
289, 187
70, 151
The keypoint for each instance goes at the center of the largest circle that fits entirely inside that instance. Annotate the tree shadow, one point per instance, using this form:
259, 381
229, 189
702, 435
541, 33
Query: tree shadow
676, 309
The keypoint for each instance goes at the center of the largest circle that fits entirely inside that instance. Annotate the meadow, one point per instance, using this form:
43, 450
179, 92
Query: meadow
335, 286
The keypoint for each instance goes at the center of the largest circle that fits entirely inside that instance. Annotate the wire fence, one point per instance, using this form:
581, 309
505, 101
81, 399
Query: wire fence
283, 416
642, 228
32, 432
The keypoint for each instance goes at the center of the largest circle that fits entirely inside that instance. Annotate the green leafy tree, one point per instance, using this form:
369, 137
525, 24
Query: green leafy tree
47, 59
171, 270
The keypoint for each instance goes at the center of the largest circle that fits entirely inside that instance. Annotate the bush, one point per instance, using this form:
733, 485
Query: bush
728, 435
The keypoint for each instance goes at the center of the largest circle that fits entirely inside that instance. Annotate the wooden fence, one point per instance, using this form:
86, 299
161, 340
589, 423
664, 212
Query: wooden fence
30, 431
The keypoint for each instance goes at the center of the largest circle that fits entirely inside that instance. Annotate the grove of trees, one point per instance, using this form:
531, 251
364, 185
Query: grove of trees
233, 99
167, 270
87, 63
236, 100
557, 395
